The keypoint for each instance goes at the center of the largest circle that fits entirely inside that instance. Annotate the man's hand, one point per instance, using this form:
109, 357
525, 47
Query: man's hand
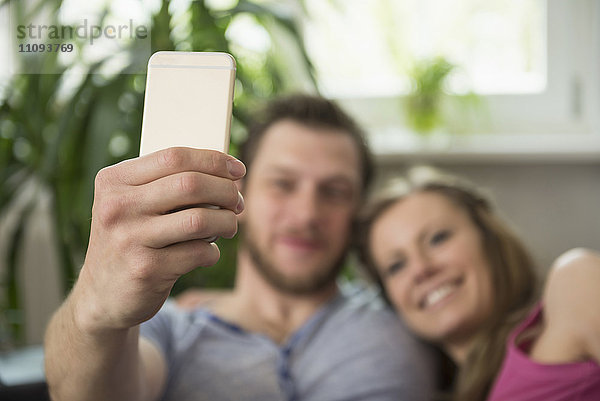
148, 230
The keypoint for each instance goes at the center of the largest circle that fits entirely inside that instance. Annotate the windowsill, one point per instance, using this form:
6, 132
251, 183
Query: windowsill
395, 146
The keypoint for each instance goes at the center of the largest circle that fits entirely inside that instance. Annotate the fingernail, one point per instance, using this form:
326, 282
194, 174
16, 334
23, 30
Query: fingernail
240, 204
236, 168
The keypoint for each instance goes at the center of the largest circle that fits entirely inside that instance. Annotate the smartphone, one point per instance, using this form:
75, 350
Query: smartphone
188, 101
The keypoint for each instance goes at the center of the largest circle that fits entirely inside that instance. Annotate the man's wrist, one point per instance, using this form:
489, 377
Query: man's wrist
84, 311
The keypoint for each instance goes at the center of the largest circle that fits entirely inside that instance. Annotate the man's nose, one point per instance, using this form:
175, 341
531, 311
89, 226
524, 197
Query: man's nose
306, 206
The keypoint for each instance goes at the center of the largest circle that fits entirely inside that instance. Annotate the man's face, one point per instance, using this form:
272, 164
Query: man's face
301, 195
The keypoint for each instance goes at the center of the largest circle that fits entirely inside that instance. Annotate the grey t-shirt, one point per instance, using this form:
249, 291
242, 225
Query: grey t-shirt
343, 352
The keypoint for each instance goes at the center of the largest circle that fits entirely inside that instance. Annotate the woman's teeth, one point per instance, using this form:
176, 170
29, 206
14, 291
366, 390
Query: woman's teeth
438, 294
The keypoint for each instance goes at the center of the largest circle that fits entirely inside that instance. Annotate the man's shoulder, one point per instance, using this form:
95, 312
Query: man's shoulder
368, 349
352, 310
173, 321
358, 319
360, 305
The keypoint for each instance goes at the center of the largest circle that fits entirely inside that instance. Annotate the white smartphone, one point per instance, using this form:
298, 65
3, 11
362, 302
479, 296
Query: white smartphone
188, 101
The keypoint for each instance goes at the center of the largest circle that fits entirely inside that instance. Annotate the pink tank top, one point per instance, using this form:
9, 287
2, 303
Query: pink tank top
522, 379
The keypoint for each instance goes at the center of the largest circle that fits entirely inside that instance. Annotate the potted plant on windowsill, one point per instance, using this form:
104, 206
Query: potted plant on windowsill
432, 111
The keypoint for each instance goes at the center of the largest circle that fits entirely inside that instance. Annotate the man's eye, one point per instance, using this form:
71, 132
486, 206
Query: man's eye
440, 237
283, 185
335, 193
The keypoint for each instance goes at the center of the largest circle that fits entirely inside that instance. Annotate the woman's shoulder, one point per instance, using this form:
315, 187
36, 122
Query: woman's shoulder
571, 324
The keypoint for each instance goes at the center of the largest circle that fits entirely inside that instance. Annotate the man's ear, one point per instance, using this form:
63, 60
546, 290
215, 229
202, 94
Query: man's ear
240, 187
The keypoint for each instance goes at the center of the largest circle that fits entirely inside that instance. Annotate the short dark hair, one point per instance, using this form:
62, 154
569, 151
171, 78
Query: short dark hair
311, 111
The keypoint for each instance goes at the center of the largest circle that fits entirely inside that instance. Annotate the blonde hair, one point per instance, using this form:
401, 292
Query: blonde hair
512, 270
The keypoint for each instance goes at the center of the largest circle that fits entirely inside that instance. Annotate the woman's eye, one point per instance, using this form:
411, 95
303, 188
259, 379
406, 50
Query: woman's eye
440, 237
395, 267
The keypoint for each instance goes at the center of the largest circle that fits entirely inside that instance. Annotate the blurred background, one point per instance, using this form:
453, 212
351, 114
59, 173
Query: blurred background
504, 93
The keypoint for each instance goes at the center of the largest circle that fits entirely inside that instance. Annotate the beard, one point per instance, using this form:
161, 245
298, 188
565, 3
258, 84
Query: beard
324, 276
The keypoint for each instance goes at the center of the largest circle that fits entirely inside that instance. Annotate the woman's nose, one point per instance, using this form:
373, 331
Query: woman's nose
422, 267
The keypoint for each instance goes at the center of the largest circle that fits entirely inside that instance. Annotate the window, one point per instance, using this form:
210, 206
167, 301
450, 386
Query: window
535, 64
365, 47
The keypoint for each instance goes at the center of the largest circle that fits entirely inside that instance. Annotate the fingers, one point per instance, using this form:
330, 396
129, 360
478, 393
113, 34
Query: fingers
169, 161
187, 225
187, 189
184, 257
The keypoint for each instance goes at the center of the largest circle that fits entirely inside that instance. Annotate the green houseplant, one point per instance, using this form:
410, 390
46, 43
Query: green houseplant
423, 104
430, 105
54, 143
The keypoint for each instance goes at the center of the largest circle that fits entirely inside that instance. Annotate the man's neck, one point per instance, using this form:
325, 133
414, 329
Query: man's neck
257, 306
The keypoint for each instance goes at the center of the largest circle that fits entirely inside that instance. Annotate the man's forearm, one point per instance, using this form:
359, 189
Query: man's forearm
84, 364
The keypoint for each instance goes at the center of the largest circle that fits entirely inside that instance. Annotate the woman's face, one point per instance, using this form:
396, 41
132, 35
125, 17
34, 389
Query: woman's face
430, 257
